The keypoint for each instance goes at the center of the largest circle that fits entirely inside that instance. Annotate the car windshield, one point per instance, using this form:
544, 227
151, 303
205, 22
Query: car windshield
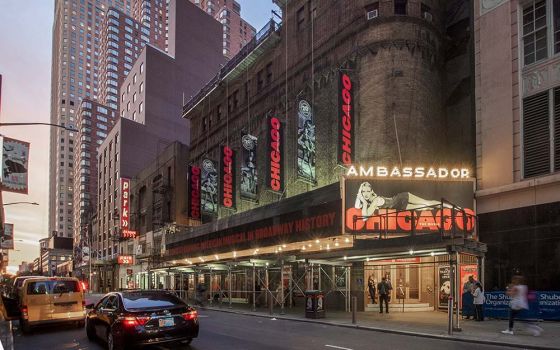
146, 300
52, 287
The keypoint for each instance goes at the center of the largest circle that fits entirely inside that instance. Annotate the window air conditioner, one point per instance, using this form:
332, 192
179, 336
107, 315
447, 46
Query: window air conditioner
372, 14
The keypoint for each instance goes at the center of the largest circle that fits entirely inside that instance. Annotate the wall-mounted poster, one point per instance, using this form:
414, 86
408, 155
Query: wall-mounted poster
209, 187
15, 158
249, 174
444, 286
227, 178
275, 155
306, 143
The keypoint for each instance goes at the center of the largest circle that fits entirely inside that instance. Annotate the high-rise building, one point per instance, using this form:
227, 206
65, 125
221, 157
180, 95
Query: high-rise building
95, 44
75, 72
236, 31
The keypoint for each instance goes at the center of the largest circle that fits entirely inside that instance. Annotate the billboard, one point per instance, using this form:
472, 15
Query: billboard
193, 189
8, 237
228, 189
346, 136
15, 159
126, 232
209, 187
275, 156
400, 207
249, 176
306, 143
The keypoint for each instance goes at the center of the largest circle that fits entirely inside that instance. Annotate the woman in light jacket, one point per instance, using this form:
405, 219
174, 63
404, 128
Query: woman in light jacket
478, 296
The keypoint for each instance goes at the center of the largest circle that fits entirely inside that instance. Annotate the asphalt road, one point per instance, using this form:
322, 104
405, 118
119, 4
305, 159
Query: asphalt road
235, 332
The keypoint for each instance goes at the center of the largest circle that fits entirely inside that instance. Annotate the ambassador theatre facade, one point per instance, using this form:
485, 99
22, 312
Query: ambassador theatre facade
415, 226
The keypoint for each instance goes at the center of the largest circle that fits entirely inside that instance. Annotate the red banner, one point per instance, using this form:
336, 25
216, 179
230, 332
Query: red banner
346, 142
227, 178
125, 260
194, 192
275, 165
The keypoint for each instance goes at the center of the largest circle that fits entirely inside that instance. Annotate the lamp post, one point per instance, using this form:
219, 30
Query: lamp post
30, 203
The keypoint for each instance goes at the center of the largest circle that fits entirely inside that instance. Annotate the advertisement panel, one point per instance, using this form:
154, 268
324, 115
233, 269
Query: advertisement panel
126, 232
275, 156
125, 260
8, 236
444, 273
209, 187
193, 189
228, 189
306, 143
399, 207
249, 176
15, 159
346, 141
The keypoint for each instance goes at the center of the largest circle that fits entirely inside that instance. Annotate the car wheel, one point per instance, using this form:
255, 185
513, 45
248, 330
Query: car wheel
112, 343
90, 332
25, 327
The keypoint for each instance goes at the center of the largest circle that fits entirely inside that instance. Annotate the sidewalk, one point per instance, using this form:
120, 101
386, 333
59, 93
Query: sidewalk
426, 324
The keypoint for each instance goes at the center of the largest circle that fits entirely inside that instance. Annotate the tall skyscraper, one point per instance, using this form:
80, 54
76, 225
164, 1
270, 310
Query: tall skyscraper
86, 34
236, 31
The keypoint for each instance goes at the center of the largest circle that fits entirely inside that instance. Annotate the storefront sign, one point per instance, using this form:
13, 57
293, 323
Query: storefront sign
275, 165
193, 189
126, 232
8, 237
306, 143
346, 142
209, 187
125, 260
313, 222
227, 178
419, 172
444, 273
249, 176
395, 208
15, 158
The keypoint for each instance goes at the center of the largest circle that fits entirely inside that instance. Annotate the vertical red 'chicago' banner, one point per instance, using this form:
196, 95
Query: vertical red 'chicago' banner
346, 136
227, 178
275, 164
194, 192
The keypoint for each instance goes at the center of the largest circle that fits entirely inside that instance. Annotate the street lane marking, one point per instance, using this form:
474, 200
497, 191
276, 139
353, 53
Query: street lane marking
337, 347
202, 315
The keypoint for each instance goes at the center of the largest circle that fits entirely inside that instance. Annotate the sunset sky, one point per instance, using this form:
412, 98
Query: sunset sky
25, 64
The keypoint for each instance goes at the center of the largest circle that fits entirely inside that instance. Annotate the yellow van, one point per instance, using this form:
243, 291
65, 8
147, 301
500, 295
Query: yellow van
50, 300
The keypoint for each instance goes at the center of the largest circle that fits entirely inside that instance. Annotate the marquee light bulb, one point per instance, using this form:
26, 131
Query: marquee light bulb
317, 241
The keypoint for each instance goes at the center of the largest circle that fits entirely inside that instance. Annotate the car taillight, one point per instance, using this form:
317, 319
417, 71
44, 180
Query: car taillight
135, 321
191, 315
24, 312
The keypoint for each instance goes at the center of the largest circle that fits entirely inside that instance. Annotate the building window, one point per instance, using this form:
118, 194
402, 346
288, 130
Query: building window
539, 158
141, 86
400, 7
141, 68
260, 80
534, 32
134, 97
268, 73
141, 107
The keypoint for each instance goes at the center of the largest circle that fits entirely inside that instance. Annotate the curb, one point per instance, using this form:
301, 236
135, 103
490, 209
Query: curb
385, 330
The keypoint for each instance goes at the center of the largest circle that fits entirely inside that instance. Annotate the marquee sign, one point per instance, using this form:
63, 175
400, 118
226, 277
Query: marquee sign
346, 141
193, 189
397, 207
227, 178
125, 210
275, 145
383, 171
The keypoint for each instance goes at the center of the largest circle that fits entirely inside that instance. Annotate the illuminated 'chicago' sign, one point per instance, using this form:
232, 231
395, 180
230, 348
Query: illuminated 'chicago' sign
408, 172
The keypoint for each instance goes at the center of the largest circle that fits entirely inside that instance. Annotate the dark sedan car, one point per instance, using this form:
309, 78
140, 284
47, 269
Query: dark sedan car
137, 318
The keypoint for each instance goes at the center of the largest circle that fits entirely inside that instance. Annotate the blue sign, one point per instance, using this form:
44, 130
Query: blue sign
542, 305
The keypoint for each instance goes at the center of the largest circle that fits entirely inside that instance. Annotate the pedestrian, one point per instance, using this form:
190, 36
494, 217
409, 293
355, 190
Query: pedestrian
478, 295
468, 288
517, 291
383, 288
371, 287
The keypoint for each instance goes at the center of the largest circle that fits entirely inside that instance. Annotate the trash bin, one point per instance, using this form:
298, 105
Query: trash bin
314, 304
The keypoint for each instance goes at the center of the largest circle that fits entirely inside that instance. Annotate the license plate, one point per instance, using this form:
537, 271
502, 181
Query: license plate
166, 322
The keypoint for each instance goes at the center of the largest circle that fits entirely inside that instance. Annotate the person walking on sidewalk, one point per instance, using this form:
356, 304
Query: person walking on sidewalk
478, 296
517, 290
371, 287
383, 288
